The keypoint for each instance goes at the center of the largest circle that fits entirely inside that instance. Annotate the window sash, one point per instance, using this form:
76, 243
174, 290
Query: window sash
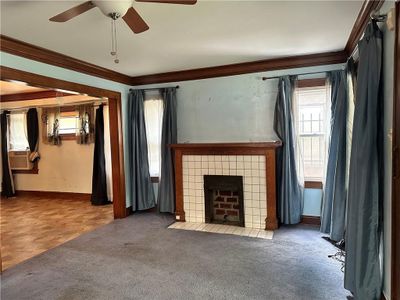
311, 117
18, 140
153, 111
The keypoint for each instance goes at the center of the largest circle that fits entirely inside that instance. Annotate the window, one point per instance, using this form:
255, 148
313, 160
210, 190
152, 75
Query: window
312, 129
68, 122
153, 113
17, 132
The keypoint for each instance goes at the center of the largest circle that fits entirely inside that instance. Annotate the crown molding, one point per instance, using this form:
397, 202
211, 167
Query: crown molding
19, 48
361, 22
243, 68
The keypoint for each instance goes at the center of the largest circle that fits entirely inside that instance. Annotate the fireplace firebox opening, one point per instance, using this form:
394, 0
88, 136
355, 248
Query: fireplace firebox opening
224, 199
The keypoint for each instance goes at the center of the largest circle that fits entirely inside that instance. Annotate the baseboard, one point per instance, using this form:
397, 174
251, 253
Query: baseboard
311, 220
48, 194
129, 210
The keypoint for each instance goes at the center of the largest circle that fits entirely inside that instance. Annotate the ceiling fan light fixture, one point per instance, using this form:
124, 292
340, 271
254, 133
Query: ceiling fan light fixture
113, 9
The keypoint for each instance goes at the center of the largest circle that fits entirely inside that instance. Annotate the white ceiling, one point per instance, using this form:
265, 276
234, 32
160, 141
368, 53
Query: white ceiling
209, 33
7, 88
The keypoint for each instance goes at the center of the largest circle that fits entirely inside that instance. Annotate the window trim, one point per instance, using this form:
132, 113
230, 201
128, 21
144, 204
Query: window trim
68, 136
155, 179
308, 184
310, 83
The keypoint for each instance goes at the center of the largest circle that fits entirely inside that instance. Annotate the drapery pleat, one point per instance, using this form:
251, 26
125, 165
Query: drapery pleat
362, 267
7, 182
290, 192
335, 194
50, 123
32, 128
166, 190
141, 190
85, 124
99, 181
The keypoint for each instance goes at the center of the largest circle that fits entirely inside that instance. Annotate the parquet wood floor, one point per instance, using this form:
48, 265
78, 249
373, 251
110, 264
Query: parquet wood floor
31, 225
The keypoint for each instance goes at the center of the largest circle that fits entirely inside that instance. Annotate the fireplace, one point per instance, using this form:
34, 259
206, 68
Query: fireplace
224, 199
253, 162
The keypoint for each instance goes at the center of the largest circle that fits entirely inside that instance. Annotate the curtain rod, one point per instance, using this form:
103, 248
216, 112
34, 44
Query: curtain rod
152, 89
309, 73
378, 17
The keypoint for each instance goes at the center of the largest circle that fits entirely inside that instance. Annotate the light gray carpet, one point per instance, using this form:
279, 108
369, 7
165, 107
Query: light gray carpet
139, 258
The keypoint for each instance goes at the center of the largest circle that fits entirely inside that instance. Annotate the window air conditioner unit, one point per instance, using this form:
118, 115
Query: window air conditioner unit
19, 160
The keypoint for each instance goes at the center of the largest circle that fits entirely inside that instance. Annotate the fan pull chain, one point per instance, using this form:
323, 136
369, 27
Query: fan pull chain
114, 46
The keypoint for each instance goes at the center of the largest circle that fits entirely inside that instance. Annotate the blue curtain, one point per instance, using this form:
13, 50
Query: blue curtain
166, 190
289, 190
334, 203
362, 268
140, 190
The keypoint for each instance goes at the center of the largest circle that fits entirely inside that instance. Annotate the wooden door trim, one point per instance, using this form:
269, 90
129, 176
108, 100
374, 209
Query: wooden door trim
115, 119
395, 260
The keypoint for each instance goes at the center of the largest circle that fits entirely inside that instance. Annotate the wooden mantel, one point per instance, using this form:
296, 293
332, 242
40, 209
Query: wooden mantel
267, 149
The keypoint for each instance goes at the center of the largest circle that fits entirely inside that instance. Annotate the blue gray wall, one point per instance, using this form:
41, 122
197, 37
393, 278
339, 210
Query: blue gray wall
235, 109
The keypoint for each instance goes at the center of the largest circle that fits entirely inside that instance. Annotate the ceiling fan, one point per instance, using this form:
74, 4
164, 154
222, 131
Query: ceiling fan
115, 10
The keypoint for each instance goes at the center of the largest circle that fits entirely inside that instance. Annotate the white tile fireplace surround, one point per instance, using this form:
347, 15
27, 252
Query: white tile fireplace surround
250, 167
254, 162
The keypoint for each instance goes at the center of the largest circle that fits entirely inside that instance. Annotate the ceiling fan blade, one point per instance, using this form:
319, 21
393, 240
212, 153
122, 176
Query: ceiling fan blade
73, 12
186, 2
135, 21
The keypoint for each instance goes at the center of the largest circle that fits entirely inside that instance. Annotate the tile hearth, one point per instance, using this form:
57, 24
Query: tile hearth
224, 229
